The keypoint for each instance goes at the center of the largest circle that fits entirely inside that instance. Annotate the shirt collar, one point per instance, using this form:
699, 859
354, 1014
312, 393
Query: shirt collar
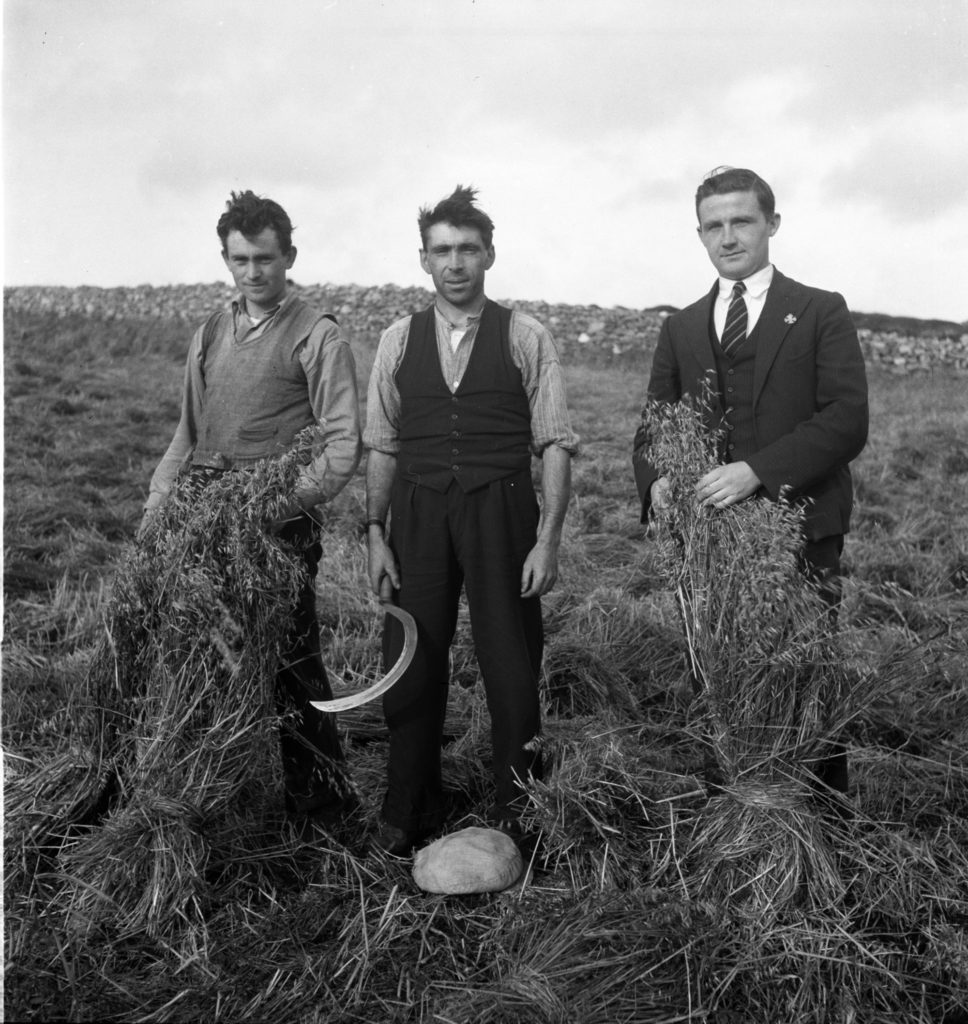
757, 284
472, 318
238, 306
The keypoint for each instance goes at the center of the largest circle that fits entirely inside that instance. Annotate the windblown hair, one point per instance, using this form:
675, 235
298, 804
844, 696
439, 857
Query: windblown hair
737, 179
250, 214
459, 210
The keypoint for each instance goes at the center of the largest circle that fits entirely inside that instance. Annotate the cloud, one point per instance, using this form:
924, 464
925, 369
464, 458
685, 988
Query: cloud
910, 165
587, 127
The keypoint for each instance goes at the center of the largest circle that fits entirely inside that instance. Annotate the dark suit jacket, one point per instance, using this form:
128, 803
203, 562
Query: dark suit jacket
809, 396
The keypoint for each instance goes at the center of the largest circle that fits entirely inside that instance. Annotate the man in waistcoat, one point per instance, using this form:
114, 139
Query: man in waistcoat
259, 372
785, 365
461, 396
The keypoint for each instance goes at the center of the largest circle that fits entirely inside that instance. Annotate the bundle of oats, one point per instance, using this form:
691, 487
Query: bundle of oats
772, 694
179, 718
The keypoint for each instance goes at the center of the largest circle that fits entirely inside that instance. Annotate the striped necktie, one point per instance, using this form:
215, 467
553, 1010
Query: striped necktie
734, 330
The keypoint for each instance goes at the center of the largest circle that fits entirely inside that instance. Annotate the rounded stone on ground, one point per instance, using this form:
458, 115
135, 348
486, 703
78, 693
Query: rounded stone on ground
470, 861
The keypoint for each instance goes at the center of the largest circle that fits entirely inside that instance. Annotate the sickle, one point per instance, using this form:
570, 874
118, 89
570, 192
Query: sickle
355, 700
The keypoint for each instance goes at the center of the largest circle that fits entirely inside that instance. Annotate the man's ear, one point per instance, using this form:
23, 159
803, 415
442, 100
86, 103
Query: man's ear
489, 259
290, 257
774, 224
423, 261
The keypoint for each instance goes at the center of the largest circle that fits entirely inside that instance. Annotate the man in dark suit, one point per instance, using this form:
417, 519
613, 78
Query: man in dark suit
785, 366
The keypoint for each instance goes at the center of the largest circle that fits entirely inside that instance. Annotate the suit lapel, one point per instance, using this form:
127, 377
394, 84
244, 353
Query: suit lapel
785, 302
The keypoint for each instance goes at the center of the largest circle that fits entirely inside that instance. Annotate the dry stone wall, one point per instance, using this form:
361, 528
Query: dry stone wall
615, 334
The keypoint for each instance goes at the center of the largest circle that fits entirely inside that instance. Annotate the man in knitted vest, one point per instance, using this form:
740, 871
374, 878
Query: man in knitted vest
461, 396
259, 372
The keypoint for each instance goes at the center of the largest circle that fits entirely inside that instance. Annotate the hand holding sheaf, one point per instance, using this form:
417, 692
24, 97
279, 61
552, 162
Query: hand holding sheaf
660, 493
727, 485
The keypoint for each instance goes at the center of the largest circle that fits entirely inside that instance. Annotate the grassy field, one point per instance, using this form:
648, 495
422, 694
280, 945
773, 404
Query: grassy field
613, 924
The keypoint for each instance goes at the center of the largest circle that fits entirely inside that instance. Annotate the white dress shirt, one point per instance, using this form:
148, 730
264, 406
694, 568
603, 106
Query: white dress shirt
757, 285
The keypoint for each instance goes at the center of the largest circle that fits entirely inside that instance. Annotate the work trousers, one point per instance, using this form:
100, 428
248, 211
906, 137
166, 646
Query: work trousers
478, 540
820, 562
311, 752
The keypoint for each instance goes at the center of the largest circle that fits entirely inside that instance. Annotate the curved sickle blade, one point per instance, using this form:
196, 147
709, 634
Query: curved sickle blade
355, 700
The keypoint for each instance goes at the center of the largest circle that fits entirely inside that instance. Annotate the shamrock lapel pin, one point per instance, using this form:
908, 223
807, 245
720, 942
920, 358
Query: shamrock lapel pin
789, 319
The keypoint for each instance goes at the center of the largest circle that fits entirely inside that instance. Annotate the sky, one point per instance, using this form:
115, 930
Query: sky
585, 124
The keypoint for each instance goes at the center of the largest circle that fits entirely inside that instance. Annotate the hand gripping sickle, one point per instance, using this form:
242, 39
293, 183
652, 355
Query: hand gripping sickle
355, 700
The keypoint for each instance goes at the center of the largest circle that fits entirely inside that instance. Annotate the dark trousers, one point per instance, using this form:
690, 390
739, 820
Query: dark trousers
820, 562
311, 750
477, 540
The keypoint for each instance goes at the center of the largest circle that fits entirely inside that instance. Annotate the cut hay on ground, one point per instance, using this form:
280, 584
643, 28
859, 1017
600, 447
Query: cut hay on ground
616, 922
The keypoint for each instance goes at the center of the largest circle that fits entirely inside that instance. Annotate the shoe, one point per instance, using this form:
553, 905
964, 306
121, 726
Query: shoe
394, 842
511, 827
527, 841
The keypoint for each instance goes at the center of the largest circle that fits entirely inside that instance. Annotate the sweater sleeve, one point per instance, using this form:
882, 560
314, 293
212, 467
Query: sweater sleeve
186, 433
330, 369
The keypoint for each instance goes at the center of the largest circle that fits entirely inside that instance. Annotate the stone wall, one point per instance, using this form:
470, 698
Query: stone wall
616, 334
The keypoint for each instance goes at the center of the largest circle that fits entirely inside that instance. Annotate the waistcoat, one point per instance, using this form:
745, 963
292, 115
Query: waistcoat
256, 394
735, 373
479, 433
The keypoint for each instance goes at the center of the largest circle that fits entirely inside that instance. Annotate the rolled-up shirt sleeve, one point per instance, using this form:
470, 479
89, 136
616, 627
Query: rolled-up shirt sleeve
327, 360
382, 431
535, 354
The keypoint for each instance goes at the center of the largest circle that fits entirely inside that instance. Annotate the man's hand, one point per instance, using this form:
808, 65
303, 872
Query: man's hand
540, 570
727, 485
147, 516
382, 566
660, 493
153, 505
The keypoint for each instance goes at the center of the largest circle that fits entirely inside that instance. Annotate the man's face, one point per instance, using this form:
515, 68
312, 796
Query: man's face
736, 233
457, 259
259, 268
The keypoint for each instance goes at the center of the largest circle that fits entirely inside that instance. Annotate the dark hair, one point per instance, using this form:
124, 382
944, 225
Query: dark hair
251, 214
457, 209
737, 179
